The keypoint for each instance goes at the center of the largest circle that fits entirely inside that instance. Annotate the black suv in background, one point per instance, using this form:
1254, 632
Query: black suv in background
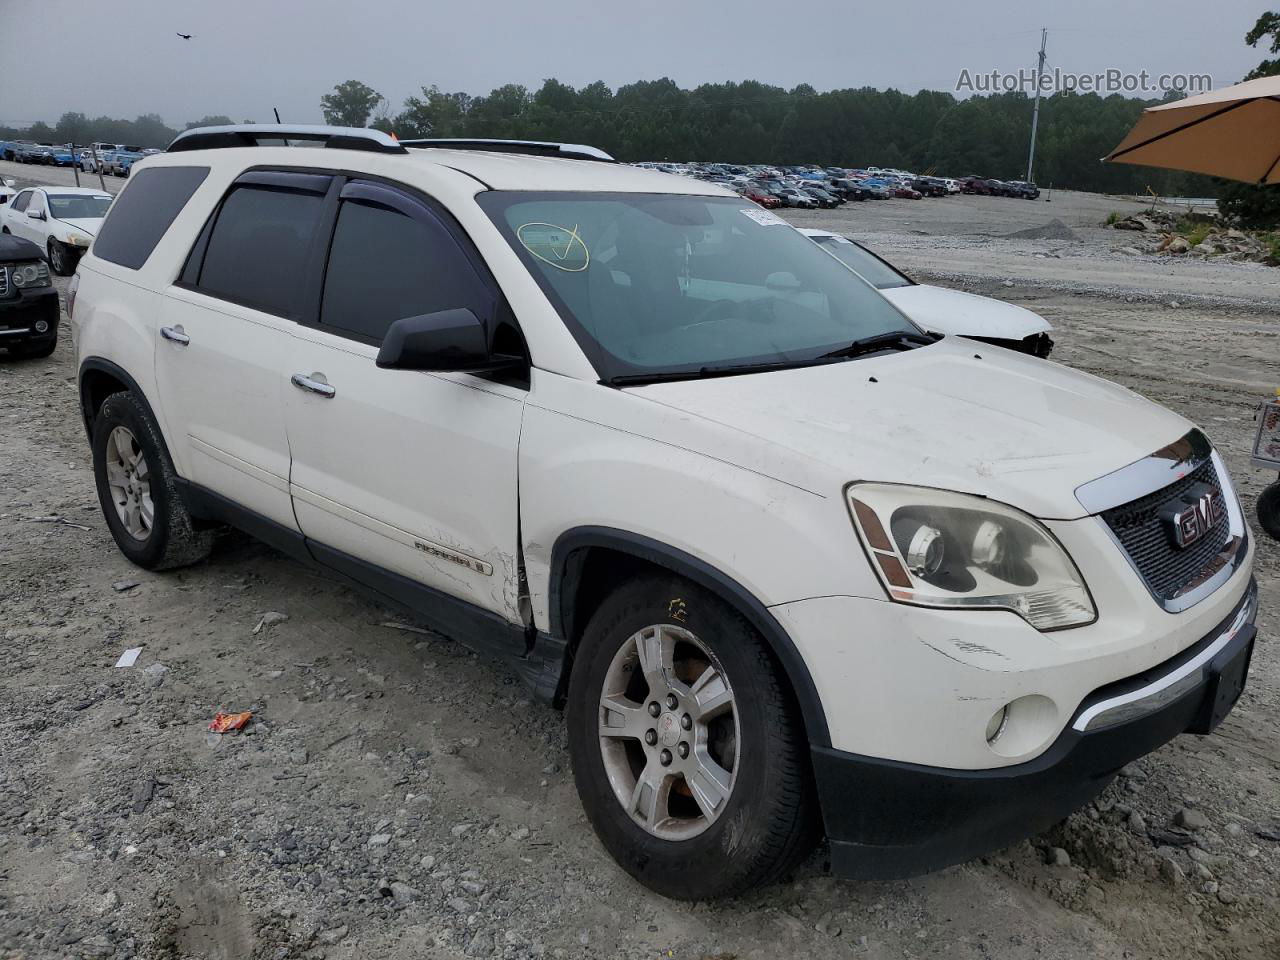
28, 301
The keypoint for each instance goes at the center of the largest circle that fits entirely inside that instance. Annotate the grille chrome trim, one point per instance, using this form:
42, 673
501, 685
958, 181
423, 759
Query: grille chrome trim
1146, 476
4, 281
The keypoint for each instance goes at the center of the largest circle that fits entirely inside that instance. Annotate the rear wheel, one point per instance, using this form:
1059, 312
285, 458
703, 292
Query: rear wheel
138, 491
687, 752
1269, 510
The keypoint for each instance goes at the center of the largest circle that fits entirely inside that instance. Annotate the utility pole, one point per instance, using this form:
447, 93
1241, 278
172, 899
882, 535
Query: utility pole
1035, 113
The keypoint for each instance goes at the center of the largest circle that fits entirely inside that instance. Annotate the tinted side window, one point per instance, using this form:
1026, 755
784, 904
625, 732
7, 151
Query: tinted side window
384, 266
21, 200
257, 250
144, 212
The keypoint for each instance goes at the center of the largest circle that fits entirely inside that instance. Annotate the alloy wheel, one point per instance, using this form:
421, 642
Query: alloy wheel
129, 481
669, 732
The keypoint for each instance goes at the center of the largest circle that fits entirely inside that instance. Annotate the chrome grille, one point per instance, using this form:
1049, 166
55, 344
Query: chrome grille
4, 281
1167, 568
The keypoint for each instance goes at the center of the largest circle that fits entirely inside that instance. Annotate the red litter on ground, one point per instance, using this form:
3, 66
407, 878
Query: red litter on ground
226, 722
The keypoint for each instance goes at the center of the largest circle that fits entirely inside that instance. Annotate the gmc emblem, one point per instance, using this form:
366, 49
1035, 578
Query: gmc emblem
1195, 515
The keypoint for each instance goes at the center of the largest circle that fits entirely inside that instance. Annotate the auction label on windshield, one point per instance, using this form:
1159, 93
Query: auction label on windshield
764, 217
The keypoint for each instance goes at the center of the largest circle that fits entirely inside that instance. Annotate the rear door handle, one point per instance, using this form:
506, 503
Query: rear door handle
176, 334
310, 382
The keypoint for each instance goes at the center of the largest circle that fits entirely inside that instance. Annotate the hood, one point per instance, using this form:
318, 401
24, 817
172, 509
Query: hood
954, 311
89, 225
1023, 431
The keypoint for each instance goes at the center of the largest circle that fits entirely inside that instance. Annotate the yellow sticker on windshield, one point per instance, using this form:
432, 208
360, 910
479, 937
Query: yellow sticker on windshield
558, 246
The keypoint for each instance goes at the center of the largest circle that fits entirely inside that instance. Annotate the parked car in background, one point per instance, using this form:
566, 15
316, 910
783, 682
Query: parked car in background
976, 185
62, 221
122, 162
1023, 189
29, 307
794, 197
41, 153
762, 197
940, 309
825, 200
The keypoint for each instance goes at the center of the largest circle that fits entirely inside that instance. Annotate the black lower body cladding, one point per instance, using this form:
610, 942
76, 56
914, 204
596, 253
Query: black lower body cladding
22, 318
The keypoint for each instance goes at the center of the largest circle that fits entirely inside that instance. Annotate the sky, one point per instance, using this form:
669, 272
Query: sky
247, 56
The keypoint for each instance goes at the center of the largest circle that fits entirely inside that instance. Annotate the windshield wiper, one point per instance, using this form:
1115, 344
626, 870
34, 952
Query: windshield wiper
895, 340
705, 373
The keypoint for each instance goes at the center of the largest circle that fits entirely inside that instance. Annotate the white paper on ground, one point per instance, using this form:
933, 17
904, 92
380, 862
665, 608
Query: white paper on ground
129, 657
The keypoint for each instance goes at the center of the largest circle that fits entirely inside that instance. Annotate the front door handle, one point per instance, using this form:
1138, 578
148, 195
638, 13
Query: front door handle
313, 382
176, 334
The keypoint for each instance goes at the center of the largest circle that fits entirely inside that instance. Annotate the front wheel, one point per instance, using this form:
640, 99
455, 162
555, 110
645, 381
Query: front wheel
61, 260
1269, 510
687, 751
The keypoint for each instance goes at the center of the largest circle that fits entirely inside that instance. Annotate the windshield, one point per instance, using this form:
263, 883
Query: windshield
654, 284
71, 206
867, 265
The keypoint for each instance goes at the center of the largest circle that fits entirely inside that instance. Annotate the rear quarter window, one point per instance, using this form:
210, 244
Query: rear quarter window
144, 212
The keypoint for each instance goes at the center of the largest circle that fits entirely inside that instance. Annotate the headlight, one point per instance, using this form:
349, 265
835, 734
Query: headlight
30, 275
934, 548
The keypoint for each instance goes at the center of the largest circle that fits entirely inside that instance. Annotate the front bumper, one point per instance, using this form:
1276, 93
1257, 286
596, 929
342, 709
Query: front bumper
19, 315
887, 819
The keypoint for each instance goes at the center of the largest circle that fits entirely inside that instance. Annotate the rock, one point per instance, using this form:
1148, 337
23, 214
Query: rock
269, 619
1137, 823
1174, 304
1190, 819
1235, 830
1201, 872
459, 829
1058, 857
1211, 887
828, 925
481, 945
122, 586
1131, 251
333, 935
1268, 833
143, 790
1226, 896
473, 887
1171, 871
458, 905
379, 840
108, 903
427, 862
403, 893
520, 833
1178, 245
1007, 283
1131, 771
1137, 223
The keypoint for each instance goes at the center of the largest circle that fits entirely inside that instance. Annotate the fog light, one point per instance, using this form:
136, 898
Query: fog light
997, 723
42, 326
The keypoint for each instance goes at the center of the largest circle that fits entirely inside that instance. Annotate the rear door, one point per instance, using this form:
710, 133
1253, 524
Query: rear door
410, 472
223, 357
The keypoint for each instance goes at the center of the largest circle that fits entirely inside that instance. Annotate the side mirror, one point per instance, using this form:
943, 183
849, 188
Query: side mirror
447, 340
10, 182
36, 214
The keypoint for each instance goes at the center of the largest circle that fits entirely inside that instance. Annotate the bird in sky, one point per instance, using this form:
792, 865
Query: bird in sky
185, 36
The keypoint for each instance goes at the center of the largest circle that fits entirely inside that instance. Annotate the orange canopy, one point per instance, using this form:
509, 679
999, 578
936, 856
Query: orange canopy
1233, 133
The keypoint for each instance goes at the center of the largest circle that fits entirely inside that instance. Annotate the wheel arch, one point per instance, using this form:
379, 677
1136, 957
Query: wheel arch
99, 378
574, 587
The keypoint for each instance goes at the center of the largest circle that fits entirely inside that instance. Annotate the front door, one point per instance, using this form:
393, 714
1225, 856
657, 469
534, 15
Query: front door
409, 472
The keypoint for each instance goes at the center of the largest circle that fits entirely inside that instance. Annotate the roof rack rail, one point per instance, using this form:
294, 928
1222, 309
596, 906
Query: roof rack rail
537, 148
252, 135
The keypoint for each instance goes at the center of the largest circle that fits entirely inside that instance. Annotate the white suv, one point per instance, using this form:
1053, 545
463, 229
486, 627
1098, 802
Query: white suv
791, 565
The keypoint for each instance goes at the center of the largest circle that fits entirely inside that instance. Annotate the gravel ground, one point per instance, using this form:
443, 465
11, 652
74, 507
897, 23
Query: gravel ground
397, 797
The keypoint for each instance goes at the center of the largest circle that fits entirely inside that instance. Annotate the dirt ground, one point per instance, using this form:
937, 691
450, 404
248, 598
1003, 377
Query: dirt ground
397, 797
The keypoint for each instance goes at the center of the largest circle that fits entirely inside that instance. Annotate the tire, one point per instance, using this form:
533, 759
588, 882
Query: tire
1269, 510
767, 822
61, 260
170, 539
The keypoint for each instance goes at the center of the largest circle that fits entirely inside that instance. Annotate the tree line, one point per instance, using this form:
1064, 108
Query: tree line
752, 122
747, 122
